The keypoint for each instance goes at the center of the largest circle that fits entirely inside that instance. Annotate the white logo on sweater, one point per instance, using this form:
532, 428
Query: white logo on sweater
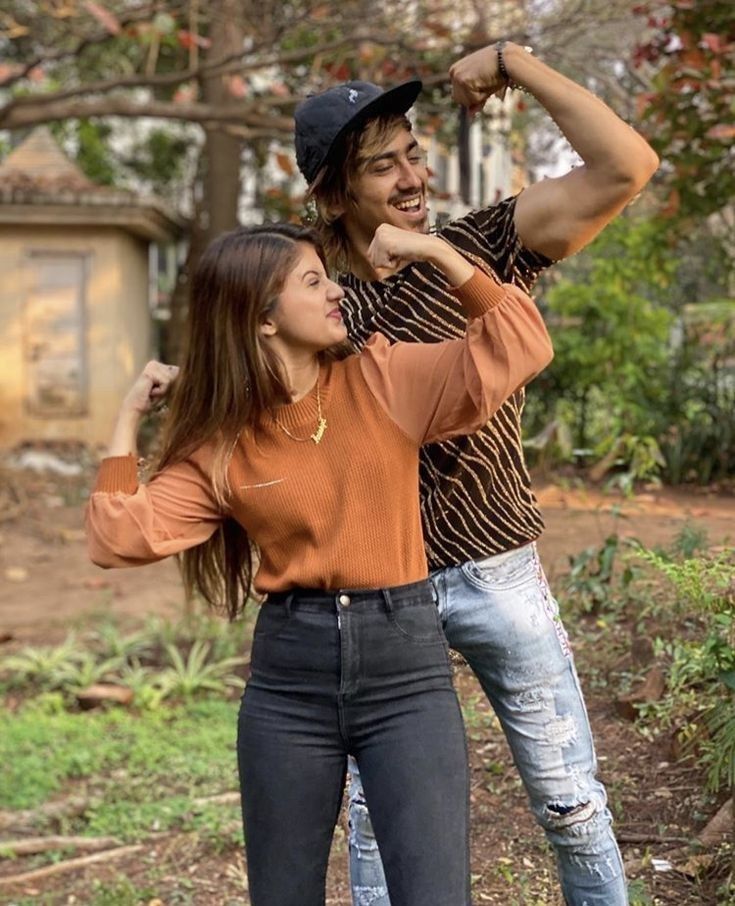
263, 484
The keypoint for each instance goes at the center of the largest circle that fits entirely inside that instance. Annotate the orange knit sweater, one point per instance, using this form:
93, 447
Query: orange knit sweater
343, 513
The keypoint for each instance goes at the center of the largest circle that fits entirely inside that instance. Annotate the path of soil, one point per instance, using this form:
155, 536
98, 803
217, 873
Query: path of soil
46, 579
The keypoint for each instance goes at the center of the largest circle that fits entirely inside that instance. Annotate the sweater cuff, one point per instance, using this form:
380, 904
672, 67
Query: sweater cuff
479, 294
117, 475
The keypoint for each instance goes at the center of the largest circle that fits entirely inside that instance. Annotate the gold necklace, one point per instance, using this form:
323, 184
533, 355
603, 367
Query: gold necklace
321, 422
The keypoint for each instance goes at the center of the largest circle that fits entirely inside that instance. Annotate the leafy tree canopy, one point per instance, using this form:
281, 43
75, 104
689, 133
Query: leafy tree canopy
689, 112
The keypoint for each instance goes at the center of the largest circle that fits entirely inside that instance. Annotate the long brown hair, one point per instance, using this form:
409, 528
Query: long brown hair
333, 187
229, 378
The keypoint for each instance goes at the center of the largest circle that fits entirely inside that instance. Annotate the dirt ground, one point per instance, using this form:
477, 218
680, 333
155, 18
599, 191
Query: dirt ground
46, 579
47, 585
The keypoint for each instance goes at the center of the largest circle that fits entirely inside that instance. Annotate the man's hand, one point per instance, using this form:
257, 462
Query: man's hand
150, 387
557, 217
476, 77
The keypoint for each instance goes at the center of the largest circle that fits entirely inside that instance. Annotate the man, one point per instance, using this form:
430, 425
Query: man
364, 168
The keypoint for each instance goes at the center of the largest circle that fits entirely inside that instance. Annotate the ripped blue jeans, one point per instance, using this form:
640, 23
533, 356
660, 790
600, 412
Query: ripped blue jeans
499, 613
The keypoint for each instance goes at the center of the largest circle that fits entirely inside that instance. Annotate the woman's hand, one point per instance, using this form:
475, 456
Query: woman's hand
392, 248
150, 387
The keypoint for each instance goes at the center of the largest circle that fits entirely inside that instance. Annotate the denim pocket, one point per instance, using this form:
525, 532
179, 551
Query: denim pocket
418, 623
505, 574
272, 621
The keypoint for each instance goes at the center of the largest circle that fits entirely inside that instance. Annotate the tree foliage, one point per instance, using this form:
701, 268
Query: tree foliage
81, 60
610, 334
689, 111
642, 370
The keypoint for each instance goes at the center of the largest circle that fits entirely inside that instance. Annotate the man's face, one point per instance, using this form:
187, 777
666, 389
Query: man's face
389, 187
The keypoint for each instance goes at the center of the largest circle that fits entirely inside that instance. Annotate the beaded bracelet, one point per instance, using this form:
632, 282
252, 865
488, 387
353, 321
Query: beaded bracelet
500, 46
501, 65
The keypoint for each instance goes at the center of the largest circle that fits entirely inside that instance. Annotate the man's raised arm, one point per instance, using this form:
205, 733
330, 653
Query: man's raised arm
559, 216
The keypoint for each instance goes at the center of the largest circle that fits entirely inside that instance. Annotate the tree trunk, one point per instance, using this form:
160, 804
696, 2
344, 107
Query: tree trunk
172, 337
221, 182
217, 184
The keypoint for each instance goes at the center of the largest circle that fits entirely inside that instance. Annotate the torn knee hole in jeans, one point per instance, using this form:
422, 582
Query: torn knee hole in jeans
561, 815
562, 731
531, 700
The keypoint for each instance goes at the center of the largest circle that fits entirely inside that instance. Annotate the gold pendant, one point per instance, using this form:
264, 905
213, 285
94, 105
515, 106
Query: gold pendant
320, 429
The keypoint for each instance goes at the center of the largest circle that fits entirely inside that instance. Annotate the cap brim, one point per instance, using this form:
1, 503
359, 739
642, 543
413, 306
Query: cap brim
395, 100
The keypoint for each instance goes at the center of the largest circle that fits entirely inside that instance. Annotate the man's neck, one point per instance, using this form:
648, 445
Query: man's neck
357, 260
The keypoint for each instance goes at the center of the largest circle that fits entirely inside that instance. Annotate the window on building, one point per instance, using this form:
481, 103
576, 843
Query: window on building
54, 320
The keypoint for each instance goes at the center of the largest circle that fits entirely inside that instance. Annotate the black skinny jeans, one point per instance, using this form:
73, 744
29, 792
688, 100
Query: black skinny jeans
363, 673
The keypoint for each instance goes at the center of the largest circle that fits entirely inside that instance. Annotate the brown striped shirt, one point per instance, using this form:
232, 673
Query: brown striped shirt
476, 496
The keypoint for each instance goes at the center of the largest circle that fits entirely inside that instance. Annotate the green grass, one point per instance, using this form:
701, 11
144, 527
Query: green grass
120, 892
141, 770
479, 720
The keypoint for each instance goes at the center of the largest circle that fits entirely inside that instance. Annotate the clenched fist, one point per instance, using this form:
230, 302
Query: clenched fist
477, 77
150, 387
392, 248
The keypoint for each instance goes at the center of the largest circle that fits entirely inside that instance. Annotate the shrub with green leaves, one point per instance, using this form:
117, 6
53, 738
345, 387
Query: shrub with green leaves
610, 335
700, 691
41, 667
597, 580
196, 673
643, 375
198, 656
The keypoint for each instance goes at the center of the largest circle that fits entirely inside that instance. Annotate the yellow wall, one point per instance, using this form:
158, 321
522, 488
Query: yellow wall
118, 334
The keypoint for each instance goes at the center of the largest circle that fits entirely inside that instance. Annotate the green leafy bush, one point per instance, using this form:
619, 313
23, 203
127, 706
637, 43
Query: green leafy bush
597, 580
196, 673
165, 660
40, 667
700, 688
643, 379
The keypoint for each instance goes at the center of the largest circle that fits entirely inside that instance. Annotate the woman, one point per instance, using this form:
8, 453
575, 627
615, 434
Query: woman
279, 439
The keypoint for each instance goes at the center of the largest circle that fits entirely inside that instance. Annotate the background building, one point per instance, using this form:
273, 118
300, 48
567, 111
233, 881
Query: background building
79, 264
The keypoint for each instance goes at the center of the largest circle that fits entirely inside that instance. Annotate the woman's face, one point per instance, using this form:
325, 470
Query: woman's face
307, 317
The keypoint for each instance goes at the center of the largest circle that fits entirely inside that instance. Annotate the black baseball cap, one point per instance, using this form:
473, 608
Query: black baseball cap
324, 119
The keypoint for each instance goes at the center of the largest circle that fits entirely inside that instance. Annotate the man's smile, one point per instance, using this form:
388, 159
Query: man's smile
412, 204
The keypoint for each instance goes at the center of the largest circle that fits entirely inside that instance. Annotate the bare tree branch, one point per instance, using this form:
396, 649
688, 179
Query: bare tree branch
250, 123
229, 64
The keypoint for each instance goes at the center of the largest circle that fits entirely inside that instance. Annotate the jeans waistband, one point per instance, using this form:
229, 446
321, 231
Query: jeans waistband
354, 598
497, 559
